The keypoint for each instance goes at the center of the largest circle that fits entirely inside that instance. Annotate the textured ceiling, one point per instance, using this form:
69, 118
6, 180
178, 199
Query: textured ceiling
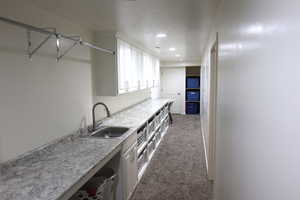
186, 22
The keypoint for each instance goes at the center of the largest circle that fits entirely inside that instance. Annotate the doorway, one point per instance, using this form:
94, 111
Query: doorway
173, 86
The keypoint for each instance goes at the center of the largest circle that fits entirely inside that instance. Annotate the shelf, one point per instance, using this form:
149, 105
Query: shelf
144, 145
193, 72
142, 171
192, 75
141, 148
150, 155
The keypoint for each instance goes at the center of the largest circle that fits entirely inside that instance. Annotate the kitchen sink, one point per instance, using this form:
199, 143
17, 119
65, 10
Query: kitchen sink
110, 132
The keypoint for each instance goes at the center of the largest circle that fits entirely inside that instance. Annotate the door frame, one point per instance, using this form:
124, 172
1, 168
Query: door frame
213, 91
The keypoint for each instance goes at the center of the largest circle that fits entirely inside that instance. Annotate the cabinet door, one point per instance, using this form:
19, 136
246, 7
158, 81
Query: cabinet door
104, 65
129, 171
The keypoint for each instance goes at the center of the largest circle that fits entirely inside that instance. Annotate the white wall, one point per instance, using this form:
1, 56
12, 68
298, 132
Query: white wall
41, 100
258, 100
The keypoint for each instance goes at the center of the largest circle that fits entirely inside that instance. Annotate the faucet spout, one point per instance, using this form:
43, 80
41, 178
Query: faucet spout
93, 112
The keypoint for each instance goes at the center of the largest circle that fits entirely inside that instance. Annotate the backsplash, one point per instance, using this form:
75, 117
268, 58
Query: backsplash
118, 103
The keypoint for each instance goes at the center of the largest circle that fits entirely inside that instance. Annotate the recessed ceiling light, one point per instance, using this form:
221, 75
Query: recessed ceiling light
172, 49
161, 35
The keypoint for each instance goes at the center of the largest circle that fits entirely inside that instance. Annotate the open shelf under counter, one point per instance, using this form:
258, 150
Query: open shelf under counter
141, 148
151, 154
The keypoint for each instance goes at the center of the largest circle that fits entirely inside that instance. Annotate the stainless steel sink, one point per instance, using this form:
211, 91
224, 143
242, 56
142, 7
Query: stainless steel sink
110, 132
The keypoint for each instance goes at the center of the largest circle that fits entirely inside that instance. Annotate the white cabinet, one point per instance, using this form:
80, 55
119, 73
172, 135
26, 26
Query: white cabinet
104, 66
129, 173
130, 69
134, 158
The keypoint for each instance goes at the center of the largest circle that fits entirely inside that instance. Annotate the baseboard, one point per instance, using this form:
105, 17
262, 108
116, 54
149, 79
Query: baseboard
205, 152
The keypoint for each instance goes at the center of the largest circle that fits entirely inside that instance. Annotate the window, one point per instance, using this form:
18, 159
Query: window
136, 69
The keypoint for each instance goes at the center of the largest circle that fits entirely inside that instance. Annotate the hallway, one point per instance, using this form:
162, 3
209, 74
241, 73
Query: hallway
177, 171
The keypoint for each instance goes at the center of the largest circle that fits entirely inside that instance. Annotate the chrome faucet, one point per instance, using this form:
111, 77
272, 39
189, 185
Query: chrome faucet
94, 107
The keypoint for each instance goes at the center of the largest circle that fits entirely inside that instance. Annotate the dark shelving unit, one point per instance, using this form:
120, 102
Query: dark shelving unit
192, 72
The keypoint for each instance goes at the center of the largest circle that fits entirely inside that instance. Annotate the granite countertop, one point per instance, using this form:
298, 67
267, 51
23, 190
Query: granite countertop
49, 172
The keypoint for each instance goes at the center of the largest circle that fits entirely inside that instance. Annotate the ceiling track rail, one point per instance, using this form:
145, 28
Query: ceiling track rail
51, 32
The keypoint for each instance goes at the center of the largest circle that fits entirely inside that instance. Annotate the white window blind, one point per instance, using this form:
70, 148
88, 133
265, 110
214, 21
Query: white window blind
156, 73
136, 69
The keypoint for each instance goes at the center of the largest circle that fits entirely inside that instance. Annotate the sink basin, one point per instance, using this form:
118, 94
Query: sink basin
110, 132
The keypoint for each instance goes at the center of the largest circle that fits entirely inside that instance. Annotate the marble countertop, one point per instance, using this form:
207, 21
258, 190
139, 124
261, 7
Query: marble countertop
49, 172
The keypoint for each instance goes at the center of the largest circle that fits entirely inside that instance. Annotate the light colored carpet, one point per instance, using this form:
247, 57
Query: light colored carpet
177, 170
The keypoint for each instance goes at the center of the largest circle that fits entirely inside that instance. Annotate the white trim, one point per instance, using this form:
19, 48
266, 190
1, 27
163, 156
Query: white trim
204, 143
212, 110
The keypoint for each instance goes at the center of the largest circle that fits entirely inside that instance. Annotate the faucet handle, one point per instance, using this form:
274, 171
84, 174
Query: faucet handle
91, 129
98, 124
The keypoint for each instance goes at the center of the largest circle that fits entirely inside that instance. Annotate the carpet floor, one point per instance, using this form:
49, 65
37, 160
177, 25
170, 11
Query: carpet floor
177, 170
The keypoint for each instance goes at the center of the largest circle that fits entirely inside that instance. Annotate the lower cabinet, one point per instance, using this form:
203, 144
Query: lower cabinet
129, 171
157, 127
141, 148
118, 179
